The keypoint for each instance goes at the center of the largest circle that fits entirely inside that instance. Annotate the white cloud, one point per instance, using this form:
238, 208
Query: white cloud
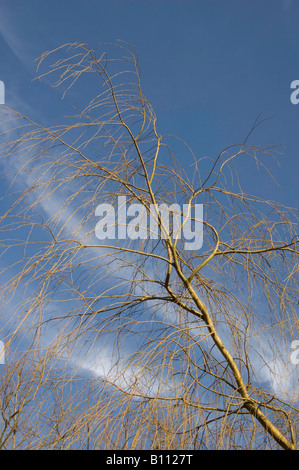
275, 368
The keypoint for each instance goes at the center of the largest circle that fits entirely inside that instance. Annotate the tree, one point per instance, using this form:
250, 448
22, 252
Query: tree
174, 334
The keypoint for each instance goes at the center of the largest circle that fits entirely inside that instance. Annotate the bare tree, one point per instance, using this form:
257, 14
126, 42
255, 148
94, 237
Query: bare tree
138, 341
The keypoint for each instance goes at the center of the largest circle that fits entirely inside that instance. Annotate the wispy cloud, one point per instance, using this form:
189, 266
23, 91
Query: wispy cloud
287, 4
17, 42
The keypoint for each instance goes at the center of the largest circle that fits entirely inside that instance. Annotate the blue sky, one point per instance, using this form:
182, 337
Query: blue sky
208, 67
